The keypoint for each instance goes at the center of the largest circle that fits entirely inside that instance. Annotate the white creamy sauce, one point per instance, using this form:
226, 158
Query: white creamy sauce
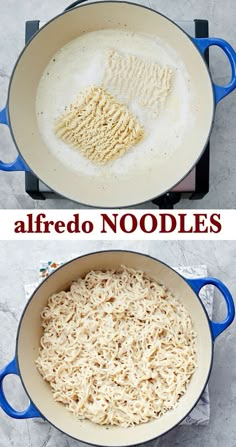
80, 64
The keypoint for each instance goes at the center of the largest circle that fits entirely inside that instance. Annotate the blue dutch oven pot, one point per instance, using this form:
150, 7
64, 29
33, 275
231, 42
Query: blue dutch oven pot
108, 190
42, 404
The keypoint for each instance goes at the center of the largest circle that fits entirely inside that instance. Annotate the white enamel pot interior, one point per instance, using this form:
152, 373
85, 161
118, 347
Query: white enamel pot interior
30, 331
137, 185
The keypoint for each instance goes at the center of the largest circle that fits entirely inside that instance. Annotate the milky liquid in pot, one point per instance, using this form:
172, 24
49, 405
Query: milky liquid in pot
80, 64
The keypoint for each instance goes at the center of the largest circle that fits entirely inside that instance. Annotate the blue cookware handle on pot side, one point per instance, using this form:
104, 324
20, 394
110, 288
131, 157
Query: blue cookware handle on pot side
203, 44
197, 284
30, 412
18, 164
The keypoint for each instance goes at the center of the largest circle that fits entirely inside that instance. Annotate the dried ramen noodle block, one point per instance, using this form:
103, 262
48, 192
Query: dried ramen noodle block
99, 126
133, 78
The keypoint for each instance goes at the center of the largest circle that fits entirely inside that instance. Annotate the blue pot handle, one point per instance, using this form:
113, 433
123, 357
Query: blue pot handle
18, 164
203, 44
197, 284
30, 412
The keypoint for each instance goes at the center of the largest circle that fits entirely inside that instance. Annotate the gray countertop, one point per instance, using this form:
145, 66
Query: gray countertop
19, 263
223, 155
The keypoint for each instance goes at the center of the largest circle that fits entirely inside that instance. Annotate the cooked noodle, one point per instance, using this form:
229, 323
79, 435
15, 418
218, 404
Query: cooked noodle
117, 348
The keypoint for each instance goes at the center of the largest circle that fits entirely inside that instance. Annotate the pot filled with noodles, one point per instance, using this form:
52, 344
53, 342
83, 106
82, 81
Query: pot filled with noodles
115, 348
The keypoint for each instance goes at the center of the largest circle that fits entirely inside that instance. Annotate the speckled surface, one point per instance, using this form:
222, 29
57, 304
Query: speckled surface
223, 155
19, 263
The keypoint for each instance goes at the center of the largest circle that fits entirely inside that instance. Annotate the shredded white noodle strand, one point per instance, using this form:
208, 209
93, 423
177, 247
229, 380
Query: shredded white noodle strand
117, 348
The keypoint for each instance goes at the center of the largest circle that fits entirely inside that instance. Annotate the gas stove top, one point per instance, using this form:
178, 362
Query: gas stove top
195, 186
